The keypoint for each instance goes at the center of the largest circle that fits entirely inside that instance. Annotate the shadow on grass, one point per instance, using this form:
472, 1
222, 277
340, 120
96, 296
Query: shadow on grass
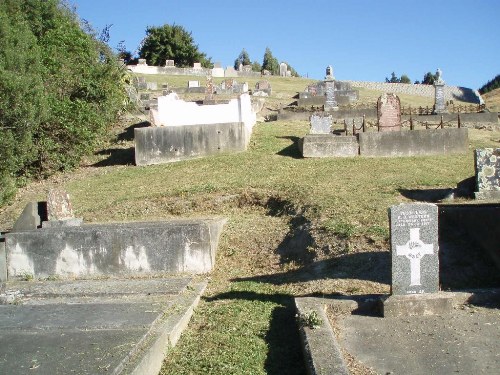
291, 151
284, 354
116, 156
370, 266
121, 156
464, 189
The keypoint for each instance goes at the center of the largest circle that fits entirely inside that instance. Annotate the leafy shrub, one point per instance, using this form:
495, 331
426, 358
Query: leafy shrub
60, 90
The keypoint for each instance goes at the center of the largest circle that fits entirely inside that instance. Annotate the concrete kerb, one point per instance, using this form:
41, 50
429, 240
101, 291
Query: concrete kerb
322, 351
164, 335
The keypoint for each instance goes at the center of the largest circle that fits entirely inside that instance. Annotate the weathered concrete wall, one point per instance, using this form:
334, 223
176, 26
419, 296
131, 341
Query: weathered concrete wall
109, 249
415, 142
174, 71
165, 144
450, 92
328, 145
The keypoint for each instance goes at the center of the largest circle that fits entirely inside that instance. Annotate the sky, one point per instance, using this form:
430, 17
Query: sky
363, 40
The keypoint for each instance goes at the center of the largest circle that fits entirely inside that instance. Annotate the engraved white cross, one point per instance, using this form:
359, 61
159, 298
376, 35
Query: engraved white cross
415, 250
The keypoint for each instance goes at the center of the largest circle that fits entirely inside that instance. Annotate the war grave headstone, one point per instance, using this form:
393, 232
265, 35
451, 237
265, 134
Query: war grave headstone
389, 113
196, 65
439, 99
320, 123
169, 64
487, 166
415, 262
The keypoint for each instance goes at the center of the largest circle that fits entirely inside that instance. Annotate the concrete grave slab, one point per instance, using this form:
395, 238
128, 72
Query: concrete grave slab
174, 246
328, 145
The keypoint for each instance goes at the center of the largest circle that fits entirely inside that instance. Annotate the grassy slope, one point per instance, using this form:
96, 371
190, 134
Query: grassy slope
296, 227
492, 100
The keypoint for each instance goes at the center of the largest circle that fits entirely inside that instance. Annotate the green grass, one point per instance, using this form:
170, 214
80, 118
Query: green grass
296, 227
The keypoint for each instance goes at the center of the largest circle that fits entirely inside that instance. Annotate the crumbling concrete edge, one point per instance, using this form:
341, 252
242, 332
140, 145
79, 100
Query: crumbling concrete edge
320, 347
164, 334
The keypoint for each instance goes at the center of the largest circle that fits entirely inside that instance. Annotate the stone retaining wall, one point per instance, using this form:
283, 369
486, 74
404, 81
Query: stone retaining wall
450, 92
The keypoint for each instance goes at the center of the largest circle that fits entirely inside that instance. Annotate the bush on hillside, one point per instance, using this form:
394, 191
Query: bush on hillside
60, 89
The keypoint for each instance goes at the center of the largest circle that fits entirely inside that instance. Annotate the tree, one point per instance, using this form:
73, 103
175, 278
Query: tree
243, 59
171, 43
61, 89
256, 67
429, 79
405, 79
394, 78
270, 63
491, 85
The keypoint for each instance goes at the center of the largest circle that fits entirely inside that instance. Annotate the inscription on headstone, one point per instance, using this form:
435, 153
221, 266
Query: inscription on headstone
487, 166
59, 205
415, 248
389, 113
320, 124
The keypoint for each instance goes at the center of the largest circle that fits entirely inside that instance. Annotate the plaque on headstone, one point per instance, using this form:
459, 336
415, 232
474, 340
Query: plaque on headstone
415, 248
389, 113
320, 124
487, 166
59, 205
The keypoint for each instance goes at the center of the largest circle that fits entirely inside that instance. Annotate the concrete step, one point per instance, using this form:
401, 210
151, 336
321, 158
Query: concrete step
107, 326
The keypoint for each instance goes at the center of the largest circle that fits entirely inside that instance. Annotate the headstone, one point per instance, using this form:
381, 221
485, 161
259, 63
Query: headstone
320, 123
266, 72
264, 86
192, 84
209, 89
414, 247
29, 219
283, 69
331, 102
246, 68
217, 65
288, 73
197, 65
240, 67
169, 63
59, 205
487, 166
152, 86
439, 99
142, 62
389, 113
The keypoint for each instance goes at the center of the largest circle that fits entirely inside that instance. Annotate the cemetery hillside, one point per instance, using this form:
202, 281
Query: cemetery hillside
164, 214
296, 226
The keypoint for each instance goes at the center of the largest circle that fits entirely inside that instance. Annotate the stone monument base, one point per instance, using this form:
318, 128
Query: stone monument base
487, 195
328, 145
416, 304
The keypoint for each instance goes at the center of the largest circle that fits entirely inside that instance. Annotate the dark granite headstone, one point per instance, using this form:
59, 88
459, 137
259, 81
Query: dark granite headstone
414, 246
320, 124
389, 113
487, 166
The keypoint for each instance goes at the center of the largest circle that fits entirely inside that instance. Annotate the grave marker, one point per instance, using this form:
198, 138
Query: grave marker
414, 245
59, 205
320, 123
389, 113
487, 166
283, 69
439, 102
